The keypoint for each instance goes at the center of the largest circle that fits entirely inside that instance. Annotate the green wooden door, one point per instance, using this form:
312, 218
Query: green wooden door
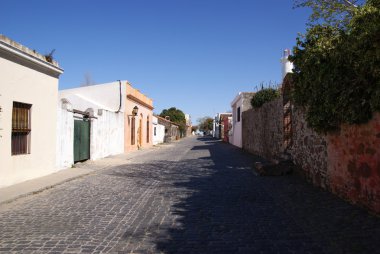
81, 140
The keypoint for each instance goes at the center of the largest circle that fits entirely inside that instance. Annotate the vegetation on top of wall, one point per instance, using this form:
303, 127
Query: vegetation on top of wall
337, 69
263, 96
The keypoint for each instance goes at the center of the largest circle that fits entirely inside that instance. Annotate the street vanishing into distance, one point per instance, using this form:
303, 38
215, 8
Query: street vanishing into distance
197, 195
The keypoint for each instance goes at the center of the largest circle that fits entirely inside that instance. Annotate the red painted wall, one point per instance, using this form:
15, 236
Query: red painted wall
353, 163
225, 129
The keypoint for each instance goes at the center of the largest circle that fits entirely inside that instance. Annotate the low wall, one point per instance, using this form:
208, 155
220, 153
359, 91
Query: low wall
308, 149
354, 163
346, 163
262, 130
106, 138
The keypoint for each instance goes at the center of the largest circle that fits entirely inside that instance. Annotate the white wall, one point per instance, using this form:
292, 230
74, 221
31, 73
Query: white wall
107, 135
65, 135
160, 132
107, 126
26, 80
242, 100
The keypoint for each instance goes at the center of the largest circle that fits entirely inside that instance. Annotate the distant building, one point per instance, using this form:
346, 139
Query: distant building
220, 128
172, 131
28, 115
188, 125
241, 103
158, 131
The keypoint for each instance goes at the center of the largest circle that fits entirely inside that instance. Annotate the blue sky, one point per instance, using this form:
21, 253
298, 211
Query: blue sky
195, 55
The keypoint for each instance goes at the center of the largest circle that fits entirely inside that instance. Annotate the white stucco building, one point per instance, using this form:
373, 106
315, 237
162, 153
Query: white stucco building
28, 117
241, 103
158, 131
90, 122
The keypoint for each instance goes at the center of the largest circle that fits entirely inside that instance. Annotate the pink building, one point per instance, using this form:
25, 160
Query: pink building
138, 120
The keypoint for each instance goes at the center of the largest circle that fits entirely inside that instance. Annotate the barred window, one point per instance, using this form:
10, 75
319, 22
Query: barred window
21, 128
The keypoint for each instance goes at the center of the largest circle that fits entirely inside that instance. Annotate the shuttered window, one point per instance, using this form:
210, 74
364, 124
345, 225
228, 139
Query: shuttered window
21, 128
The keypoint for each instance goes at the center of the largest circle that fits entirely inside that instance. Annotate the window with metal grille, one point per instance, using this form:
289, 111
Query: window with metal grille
21, 128
133, 131
155, 132
147, 130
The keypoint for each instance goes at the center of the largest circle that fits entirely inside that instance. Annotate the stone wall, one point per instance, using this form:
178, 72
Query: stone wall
308, 149
354, 163
262, 132
346, 163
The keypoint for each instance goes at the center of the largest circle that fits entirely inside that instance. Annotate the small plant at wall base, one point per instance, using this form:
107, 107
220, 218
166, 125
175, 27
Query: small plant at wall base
337, 70
263, 96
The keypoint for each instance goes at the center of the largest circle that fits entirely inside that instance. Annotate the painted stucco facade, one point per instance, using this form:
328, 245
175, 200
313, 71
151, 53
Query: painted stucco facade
139, 128
158, 132
241, 103
26, 77
171, 129
220, 130
104, 104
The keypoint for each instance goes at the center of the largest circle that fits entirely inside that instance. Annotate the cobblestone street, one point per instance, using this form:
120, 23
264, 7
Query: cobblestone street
197, 195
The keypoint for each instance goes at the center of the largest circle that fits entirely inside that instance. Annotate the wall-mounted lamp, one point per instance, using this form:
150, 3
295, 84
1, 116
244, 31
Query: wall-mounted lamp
135, 111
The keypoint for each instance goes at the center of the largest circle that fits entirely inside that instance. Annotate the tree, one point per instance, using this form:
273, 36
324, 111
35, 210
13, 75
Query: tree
176, 116
336, 68
194, 128
335, 13
205, 123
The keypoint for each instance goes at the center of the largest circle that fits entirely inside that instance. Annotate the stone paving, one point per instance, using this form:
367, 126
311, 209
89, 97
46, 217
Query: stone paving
193, 196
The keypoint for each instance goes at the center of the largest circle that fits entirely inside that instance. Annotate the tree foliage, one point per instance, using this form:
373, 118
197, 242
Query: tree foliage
336, 13
205, 123
177, 116
263, 96
337, 69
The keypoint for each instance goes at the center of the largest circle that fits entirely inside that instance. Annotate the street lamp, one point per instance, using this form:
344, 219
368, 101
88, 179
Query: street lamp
135, 111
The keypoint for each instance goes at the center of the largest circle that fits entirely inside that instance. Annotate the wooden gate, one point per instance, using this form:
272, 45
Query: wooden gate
81, 140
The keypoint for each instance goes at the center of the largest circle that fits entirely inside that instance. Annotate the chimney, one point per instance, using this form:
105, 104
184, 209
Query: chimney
287, 66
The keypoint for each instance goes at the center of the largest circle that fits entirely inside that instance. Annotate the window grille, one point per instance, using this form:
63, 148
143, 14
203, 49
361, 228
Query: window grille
21, 128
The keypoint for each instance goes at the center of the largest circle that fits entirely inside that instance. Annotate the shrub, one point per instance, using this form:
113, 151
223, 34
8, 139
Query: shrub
337, 71
263, 96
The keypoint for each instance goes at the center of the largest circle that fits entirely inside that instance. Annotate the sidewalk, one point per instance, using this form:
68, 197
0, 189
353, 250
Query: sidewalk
34, 186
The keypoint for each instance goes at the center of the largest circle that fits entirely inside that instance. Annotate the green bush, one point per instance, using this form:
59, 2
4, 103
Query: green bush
263, 96
337, 71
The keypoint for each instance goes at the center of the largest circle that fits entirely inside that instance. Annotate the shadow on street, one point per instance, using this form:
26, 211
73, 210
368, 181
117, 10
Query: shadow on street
220, 206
